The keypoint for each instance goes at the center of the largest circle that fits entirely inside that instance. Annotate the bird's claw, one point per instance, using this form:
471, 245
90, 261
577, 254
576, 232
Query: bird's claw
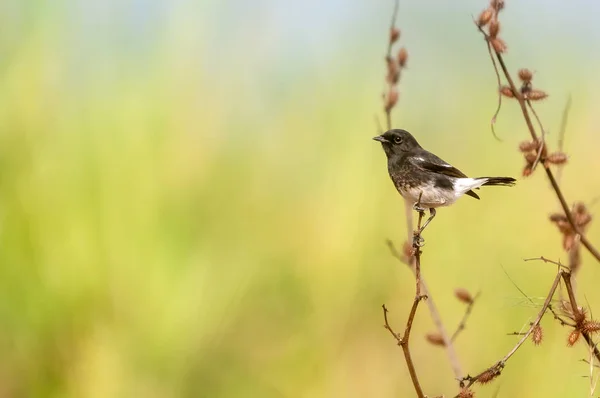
417, 207
418, 240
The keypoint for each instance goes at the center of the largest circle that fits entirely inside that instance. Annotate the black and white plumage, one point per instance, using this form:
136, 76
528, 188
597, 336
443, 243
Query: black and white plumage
419, 173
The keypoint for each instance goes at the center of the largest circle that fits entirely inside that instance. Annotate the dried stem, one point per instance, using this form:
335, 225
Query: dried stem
498, 366
561, 135
523, 105
463, 323
403, 340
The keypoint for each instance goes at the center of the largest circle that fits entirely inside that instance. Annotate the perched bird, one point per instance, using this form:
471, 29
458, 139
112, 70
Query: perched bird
423, 178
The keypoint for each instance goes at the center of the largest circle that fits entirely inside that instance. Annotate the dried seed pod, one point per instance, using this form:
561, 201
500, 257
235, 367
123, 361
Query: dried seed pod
485, 17
488, 376
537, 334
507, 92
556, 217
591, 326
394, 34
497, 4
435, 339
463, 295
557, 158
564, 227
391, 99
402, 57
525, 75
499, 45
536, 95
573, 337
494, 28
530, 158
568, 241
393, 71
579, 316
527, 146
527, 170
583, 220
466, 393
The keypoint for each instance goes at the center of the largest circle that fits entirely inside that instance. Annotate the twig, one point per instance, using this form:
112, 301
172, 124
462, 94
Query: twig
461, 326
540, 149
544, 259
561, 135
496, 369
404, 340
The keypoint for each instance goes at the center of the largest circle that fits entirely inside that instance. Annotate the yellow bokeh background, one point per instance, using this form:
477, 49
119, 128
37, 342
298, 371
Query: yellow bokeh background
191, 204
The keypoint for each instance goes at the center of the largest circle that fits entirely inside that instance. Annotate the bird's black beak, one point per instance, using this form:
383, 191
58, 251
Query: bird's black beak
381, 139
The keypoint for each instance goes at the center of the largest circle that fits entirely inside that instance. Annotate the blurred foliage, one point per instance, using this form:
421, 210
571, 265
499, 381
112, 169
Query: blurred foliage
191, 205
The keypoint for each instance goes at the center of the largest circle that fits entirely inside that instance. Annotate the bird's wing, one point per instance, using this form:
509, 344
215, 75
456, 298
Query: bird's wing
429, 162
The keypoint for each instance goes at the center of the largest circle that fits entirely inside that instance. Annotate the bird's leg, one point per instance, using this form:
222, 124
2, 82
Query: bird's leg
418, 241
431, 215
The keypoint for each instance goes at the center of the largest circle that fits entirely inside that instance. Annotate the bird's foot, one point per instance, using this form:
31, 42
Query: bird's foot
418, 240
417, 207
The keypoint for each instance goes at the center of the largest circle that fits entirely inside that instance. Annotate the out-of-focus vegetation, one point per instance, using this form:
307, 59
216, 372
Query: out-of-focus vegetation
191, 204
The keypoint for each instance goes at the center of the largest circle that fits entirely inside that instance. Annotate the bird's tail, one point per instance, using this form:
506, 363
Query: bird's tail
506, 181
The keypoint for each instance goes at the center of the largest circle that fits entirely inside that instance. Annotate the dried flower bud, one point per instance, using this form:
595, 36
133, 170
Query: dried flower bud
527, 146
402, 57
579, 316
435, 339
466, 393
591, 326
573, 337
530, 158
394, 34
485, 17
568, 241
494, 28
507, 92
556, 217
537, 334
564, 227
580, 208
499, 45
583, 220
393, 72
463, 295
391, 99
497, 4
488, 376
536, 95
527, 170
557, 158
525, 75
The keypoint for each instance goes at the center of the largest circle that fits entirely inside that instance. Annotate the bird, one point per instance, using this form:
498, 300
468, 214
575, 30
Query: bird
425, 180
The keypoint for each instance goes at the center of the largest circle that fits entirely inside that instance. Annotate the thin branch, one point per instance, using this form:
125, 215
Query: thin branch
461, 326
404, 340
542, 145
496, 369
546, 260
561, 135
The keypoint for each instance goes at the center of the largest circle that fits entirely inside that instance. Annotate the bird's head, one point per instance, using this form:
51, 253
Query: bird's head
397, 141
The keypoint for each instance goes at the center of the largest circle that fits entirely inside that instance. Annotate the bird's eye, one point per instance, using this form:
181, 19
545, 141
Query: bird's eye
397, 140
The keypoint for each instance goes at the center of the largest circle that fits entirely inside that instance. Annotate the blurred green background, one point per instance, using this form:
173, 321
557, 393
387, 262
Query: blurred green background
191, 204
